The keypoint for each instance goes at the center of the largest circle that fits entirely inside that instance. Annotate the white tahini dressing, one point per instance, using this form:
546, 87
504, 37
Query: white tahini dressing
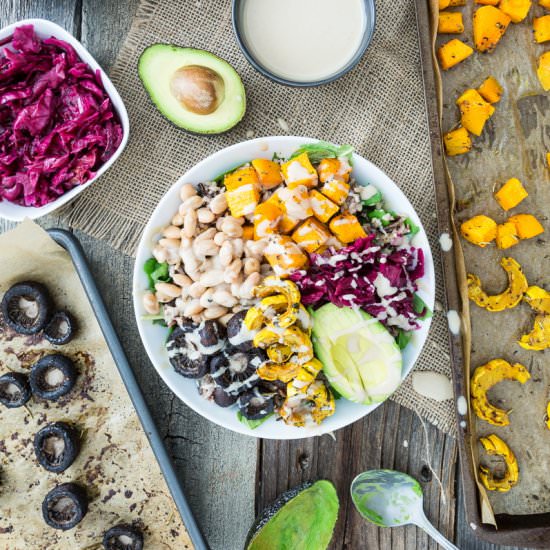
303, 40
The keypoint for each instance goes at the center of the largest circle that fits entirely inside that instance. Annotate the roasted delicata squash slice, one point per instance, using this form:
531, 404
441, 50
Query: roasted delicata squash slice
493, 445
273, 285
284, 372
279, 353
298, 341
484, 378
538, 299
517, 285
548, 415
266, 311
539, 338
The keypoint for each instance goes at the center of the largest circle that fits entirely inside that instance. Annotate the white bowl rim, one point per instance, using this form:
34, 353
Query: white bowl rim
18, 212
152, 227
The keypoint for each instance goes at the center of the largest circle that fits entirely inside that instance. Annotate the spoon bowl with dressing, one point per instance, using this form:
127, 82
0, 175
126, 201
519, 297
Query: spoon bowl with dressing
303, 43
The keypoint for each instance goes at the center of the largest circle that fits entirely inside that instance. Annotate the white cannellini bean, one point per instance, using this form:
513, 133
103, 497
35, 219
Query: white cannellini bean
232, 271
187, 190
189, 223
170, 243
237, 308
182, 280
226, 253
190, 204
206, 247
159, 254
213, 277
235, 287
195, 274
214, 312
251, 265
231, 227
220, 238
238, 247
218, 205
197, 319
224, 298
172, 232
224, 319
150, 303
247, 288
163, 298
254, 249
205, 215
193, 308
177, 220
196, 290
208, 234
207, 299
169, 289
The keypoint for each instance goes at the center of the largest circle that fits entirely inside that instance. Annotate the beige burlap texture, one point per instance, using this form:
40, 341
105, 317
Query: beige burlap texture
379, 108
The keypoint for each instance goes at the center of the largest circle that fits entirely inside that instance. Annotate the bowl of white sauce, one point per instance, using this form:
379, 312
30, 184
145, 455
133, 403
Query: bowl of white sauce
303, 42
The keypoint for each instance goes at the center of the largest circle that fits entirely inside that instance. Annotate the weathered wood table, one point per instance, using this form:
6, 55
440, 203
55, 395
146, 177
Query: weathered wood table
220, 470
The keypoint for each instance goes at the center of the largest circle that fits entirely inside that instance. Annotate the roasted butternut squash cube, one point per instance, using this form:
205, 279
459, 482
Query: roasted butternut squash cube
543, 70
474, 111
454, 3
311, 234
479, 230
548, 159
299, 171
444, 4
490, 90
333, 169
488, 2
489, 24
336, 190
545, 4
347, 228
284, 255
450, 22
453, 52
457, 142
527, 226
507, 235
242, 176
323, 208
517, 10
267, 216
511, 194
242, 200
248, 232
541, 28
295, 204
269, 173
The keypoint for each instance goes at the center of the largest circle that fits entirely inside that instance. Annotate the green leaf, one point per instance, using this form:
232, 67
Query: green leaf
381, 215
252, 424
170, 330
420, 307
156, 272
413, 228
219, 178
403, 338
323, 150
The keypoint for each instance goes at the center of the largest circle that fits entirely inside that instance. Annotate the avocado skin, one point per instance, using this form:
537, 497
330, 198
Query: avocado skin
319, 497
172, 123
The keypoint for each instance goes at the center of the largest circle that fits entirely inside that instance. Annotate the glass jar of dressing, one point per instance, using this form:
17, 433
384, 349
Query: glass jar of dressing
303, 42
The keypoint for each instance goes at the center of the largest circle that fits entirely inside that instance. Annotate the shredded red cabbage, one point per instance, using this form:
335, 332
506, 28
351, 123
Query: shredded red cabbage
57, 123
382, 281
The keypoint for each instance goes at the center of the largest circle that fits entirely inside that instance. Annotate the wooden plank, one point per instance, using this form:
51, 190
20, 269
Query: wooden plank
390, 437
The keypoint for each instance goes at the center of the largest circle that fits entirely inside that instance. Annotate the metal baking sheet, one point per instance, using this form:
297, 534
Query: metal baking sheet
526, 530
74, 248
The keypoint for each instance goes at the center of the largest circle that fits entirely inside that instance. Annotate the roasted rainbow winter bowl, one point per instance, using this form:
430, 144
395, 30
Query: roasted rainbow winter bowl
283, 287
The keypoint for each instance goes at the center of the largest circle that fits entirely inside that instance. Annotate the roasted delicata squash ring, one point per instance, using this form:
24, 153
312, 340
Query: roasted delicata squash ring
493, 445
548, 415
538, 299
307, 402
298, 341
274, 285
517, 285
539, 338
267, 309
279, 353
484, 378
285, 372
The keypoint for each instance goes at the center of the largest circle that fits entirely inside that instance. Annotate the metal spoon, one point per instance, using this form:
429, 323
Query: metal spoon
388, 499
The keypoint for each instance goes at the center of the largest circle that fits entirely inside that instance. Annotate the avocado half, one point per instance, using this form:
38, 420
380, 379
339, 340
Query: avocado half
193, 89
302, 518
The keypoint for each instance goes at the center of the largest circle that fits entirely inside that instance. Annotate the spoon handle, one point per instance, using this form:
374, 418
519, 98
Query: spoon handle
434, 533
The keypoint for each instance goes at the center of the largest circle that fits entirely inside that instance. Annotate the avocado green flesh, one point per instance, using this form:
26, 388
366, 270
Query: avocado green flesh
361, 359
304, 523
156, 67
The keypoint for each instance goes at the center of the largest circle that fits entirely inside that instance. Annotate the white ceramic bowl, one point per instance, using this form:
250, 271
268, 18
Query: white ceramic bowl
154, 336
45, 29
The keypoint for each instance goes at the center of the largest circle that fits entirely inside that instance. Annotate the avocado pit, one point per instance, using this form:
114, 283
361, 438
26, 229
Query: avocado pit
199, 89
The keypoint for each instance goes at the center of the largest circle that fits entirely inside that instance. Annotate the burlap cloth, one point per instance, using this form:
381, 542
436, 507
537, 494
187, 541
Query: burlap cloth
379, 108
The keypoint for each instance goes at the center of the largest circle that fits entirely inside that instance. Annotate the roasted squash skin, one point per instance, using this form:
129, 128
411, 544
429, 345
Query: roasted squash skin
511, 297
493, 445
490, 24
484, 378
